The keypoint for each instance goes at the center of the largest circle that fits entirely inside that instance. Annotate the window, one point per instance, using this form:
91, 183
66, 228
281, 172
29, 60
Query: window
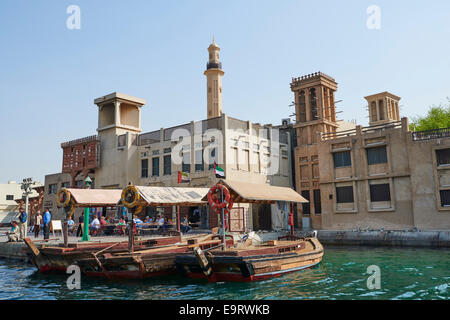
186, 164
144, 168
199, 163
155, 167
376, 155
443, 157
317, 202
380, 192
9, 197
65, 185
445, 198
344, 194
342, 159
78, 184
306, 206
167, 165
301, 107
313, 103
52, 188
234, 158
246, 161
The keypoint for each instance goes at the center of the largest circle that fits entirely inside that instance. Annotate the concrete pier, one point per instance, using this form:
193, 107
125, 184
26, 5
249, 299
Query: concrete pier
430, 239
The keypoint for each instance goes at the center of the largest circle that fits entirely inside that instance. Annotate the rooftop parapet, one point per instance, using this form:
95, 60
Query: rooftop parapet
310, 77
80, 141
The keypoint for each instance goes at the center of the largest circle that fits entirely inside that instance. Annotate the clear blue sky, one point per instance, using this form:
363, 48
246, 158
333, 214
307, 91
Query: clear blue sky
156, 50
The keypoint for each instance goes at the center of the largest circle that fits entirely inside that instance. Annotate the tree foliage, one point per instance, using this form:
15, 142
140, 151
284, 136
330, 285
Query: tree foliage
437, 117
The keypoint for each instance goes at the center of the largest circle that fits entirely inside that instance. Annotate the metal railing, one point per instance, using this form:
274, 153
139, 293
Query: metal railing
431, 134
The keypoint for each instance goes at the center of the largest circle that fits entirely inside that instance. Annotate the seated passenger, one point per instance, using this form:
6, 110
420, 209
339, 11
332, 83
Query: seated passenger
95, 225
71, 225
14, 233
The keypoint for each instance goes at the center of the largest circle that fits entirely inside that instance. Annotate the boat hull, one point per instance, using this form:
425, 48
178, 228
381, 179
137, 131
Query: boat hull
247, 268
57, 259
140, 265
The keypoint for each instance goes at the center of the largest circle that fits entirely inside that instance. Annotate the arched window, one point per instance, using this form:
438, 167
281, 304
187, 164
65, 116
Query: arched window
301, 107
313, 103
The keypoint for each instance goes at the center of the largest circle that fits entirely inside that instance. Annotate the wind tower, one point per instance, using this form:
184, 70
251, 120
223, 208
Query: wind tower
214, 76
315, 113
383, 108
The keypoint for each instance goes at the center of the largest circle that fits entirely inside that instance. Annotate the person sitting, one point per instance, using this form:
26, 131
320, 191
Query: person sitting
121, 226
166, 225
184, 225
103, 221
14, 233
71, 225
95, 226
136, 220
147, 219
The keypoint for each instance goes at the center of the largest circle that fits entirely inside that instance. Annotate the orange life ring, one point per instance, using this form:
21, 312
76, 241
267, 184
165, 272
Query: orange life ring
214, 201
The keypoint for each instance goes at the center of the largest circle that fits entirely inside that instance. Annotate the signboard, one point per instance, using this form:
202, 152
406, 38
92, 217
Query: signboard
55, 226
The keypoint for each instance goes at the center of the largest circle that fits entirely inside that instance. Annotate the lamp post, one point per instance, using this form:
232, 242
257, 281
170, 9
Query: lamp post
85, 237
27, 190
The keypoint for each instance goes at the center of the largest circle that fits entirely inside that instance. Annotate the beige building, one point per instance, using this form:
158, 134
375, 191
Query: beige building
380, 176
246, 151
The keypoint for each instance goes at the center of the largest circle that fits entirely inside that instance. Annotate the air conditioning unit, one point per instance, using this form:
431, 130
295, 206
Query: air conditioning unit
286, 121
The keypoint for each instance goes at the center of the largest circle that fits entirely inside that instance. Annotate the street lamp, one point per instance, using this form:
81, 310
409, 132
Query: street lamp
27, 190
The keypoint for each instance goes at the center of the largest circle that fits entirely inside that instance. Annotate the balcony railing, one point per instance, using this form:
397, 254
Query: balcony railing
214, 65
431, 134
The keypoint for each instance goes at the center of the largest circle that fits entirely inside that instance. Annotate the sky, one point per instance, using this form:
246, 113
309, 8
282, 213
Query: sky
157, 50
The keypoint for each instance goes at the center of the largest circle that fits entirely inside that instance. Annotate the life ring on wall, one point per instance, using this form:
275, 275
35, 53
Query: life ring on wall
214, 200
130, 197
63, 198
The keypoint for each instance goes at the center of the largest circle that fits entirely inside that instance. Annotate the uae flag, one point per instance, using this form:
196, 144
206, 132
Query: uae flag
219, 171
183, 177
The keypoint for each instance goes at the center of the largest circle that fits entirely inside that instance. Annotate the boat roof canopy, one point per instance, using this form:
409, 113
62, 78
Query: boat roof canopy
172, 196
244, 192
95, 197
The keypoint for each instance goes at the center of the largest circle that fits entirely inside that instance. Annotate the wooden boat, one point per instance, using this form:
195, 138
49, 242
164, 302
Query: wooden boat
157, 261
58, 258
251, 262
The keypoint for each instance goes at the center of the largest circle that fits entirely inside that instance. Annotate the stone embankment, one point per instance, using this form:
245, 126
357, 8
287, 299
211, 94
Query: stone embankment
416, 238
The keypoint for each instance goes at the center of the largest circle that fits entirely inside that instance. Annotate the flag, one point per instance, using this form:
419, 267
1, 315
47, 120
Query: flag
183, 177
219, 171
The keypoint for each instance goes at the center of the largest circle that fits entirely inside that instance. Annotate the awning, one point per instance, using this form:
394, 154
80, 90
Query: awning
95, 197
244, 192
173, 196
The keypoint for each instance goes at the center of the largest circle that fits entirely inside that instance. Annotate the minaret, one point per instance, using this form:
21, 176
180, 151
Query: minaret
214, 75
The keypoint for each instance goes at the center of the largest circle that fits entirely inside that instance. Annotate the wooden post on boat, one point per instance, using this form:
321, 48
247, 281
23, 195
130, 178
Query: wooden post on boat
291, 218
131, 232
178, 219
65, 229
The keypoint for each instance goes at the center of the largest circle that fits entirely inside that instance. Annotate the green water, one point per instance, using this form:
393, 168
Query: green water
405, 274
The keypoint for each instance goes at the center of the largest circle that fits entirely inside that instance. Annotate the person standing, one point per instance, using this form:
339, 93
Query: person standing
37, 224
46, 219
23, 223
80, 225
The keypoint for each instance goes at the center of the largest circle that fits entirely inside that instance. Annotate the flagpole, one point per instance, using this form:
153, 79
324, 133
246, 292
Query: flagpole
223, 224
